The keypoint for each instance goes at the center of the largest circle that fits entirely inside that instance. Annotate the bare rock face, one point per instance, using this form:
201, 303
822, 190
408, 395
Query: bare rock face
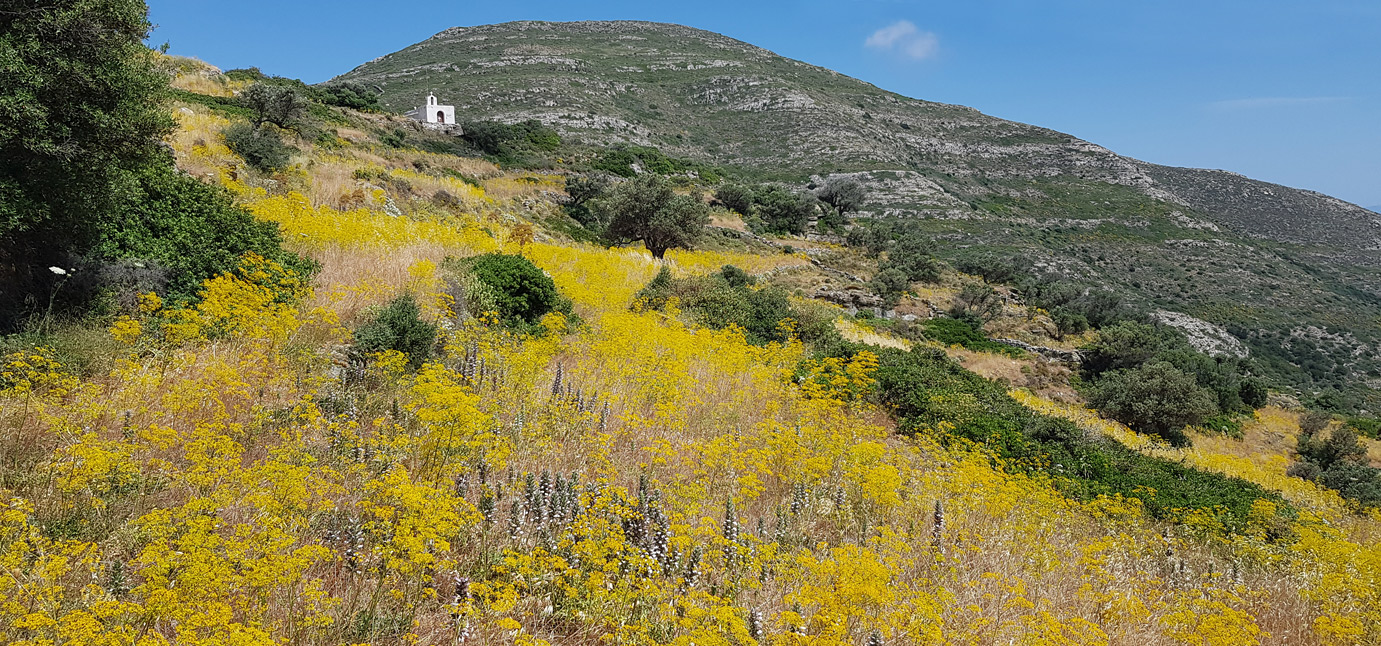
856, 298
1204, 336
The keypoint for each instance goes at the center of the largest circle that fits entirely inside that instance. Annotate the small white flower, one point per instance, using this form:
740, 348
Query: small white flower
58, 270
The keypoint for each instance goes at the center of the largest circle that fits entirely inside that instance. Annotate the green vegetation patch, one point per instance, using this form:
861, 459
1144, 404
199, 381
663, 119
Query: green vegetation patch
508, 285
397, 326
928, 392
731, 297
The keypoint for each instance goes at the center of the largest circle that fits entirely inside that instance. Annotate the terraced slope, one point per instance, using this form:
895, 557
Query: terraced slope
1295, 274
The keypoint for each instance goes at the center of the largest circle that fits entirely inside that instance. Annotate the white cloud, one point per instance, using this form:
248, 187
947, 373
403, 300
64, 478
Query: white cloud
904, 38
1273, 102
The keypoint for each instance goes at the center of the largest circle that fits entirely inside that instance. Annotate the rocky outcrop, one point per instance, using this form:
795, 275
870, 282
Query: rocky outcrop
1204, 336
857, 298
1057, 354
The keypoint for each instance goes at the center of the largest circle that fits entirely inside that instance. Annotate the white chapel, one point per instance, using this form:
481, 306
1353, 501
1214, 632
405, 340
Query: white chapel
434, 112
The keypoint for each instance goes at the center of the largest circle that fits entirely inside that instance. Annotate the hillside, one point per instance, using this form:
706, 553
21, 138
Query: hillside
437, 415
1294, 274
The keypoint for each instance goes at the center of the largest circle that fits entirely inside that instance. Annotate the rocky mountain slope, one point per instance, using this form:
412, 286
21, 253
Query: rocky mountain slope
1292, 273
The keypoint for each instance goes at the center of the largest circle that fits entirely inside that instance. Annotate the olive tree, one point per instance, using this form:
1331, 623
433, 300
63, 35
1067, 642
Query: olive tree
280, 105
646, 209
844, 194
1154, 397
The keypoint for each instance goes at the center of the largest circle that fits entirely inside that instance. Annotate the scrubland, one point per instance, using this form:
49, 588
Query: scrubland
629, 478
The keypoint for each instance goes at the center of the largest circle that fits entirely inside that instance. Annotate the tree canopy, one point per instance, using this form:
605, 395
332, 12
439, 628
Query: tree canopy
647, 209
843, 194
80, 104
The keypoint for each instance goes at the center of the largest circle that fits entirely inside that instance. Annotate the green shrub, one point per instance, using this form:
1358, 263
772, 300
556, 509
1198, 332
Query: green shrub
783, 211
912, 255
81, 105
521, 293
1124, 345
1228, 424
396, 138
735, 197
193, 230
1313, 421
621, 159
1340, 446
1366, 426
511, 144
351, 95
952, 331
977, 301
281, 105
1338, 462
261, 147
1155, 398
1068, 322
890, 284
992, 267
397, 326
1253, 392
1355, 481
583, 190
730, 297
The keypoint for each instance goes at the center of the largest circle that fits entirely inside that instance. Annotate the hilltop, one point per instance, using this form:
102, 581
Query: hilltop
1292, 273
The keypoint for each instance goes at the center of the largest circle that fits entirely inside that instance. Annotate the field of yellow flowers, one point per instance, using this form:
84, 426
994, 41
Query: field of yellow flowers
633, 479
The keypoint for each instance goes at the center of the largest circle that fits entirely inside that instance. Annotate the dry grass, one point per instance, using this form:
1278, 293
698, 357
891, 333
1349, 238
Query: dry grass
727, 219
859, 334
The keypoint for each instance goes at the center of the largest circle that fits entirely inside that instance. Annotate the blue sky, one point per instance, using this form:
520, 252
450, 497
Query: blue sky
1284, 91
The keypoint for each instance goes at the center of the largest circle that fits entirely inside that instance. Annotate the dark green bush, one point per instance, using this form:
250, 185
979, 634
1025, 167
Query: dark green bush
397, 138
1340, 446
1124, 345
912, 254
977, 301
1225, 423
397, 326
783, 211
1155, 398
193, 230
1068, 322
1313, 421
735, 197
512, 144
351, 95
81, 105
583, 190
1253, 392
992, 267
281, 105
1366, 426
522, 292
1356, 482
1337, 462
261, 147
889, 284
621, 159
